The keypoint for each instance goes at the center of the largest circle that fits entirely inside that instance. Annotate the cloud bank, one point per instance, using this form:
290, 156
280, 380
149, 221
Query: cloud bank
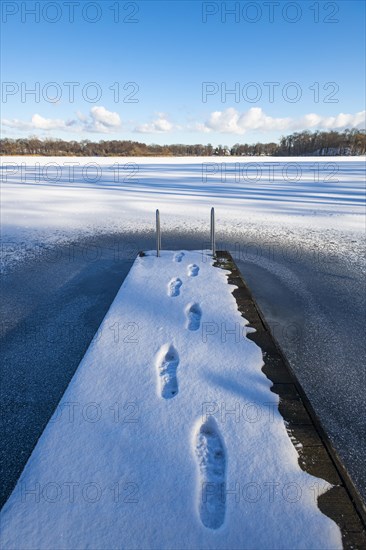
229, 121
99, 120
232, 121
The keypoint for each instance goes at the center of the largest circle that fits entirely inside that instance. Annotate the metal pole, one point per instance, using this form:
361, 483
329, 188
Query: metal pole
158, 235
213, 244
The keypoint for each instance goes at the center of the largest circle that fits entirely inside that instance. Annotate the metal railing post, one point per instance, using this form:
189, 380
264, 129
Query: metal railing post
158, 234
213, 244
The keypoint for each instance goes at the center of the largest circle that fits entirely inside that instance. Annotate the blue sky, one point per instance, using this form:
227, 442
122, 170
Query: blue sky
313, 51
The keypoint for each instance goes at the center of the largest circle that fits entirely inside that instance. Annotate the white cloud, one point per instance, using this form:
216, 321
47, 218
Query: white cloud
341, 120
37, 122
41, 123
232, 121
81, 116
157, 126
100, 120
106, 118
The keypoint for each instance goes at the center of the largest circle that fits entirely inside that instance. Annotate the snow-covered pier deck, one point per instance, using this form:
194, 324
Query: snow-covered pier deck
182, 428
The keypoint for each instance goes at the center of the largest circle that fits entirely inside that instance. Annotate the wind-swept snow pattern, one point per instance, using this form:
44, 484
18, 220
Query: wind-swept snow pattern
211, 458
208, 466
167, 363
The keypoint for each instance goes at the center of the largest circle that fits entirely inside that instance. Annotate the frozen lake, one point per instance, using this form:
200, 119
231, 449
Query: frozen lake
71, 231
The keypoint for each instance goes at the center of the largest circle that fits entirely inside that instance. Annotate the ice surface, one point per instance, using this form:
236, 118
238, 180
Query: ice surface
48, 201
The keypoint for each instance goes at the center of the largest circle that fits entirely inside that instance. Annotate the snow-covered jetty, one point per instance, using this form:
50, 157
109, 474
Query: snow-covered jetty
169, 435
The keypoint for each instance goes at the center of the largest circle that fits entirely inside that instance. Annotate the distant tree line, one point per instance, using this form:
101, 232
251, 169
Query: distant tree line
348, 142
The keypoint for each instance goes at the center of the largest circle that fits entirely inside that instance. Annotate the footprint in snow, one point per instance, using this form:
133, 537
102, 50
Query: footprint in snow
211, 457
174, 287
178, 257
192, 270
194, 315
167, 363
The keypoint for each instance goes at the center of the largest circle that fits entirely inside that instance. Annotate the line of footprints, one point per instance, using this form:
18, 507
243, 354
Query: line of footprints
209, 447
